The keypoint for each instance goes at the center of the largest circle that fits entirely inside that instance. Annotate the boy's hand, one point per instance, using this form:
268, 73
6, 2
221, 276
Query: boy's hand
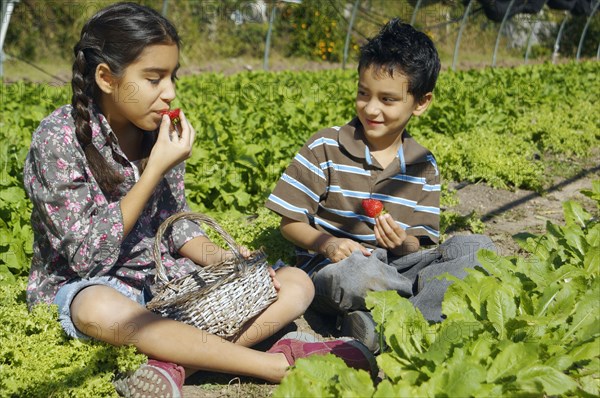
337, 249
389, 235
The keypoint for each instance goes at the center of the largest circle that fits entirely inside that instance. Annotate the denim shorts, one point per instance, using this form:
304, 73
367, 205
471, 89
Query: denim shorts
66, 294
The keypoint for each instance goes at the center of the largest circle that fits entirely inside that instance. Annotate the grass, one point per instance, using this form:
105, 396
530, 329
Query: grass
559, 168
47, 70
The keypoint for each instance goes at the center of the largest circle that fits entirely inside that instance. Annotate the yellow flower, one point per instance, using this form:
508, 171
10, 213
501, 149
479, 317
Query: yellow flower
324, 57
333, 23
330, 49
316, 13
303, 26
332, 44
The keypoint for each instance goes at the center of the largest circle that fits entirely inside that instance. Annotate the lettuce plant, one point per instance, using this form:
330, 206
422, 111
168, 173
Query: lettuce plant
520, 326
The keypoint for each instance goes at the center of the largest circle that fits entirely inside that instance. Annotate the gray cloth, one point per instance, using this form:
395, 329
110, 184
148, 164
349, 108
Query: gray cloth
342, 287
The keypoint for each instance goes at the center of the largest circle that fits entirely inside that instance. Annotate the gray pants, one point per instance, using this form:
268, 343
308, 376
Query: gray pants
342, 287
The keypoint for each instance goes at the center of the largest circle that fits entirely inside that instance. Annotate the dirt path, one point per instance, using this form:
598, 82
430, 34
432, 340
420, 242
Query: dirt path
504, 214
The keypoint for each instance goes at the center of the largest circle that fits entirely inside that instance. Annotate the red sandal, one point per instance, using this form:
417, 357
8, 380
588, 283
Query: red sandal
351, 351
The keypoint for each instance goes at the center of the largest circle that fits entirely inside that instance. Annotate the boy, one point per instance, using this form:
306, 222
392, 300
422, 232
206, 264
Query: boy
347, 250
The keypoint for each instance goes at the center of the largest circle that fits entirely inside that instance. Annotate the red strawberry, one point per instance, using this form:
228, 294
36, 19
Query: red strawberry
372, 207
173, 115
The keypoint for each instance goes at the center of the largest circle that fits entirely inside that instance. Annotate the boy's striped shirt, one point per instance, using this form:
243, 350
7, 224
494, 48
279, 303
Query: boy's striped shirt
333, 172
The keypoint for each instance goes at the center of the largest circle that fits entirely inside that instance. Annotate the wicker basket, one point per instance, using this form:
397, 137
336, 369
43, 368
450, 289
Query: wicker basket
218, 298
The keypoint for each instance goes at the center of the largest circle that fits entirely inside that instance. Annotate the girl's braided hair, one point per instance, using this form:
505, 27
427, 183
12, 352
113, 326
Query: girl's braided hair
116, 36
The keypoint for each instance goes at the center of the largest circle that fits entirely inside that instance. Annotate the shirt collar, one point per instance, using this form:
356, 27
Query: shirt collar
102, 133
351, 138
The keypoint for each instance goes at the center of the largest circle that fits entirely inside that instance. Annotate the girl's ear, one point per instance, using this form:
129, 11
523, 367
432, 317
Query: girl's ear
105, 79
423, 104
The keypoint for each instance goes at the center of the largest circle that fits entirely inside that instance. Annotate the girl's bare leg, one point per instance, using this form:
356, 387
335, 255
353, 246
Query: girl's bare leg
294, 297
105, 314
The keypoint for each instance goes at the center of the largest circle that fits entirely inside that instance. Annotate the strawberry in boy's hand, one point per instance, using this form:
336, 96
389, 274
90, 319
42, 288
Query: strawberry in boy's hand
372, 207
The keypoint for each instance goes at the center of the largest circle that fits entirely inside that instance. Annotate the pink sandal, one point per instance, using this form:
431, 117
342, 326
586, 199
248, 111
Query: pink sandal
352, 352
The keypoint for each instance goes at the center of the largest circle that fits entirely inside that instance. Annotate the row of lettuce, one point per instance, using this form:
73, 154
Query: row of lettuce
510, 128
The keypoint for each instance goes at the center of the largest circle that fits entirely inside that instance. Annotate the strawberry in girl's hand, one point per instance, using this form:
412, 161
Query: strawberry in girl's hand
173, 115
372, 207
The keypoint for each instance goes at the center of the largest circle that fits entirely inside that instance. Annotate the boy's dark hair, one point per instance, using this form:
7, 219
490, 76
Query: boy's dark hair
400, 48
115, 35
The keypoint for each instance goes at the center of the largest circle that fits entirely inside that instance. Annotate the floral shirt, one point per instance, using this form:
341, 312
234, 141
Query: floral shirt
78, 230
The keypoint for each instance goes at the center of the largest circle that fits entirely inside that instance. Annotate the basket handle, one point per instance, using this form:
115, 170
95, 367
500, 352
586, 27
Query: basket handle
160, 269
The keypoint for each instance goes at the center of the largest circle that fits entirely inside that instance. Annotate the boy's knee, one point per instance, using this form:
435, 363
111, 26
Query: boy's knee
465, 246
347, 283
483, 242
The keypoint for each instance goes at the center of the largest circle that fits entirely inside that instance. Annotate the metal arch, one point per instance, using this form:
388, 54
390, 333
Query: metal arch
5, 14
558, 37
585, 28
528, 46
347, 42
413, 19
504, 19
268, 39
460, 31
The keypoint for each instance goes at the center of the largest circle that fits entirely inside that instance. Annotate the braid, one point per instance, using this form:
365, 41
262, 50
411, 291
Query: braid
82, 86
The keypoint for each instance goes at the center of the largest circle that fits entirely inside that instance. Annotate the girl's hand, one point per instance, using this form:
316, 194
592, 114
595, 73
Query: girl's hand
171, 148
337, 249
243, 250
389, 235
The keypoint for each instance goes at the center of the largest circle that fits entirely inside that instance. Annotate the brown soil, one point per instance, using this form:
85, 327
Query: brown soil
504, 213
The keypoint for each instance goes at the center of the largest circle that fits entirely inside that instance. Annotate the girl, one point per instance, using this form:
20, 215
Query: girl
103, 173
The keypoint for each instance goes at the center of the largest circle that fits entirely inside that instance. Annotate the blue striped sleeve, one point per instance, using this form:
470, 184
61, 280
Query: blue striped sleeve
311, 167
300, 186
323, 141
286, 205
